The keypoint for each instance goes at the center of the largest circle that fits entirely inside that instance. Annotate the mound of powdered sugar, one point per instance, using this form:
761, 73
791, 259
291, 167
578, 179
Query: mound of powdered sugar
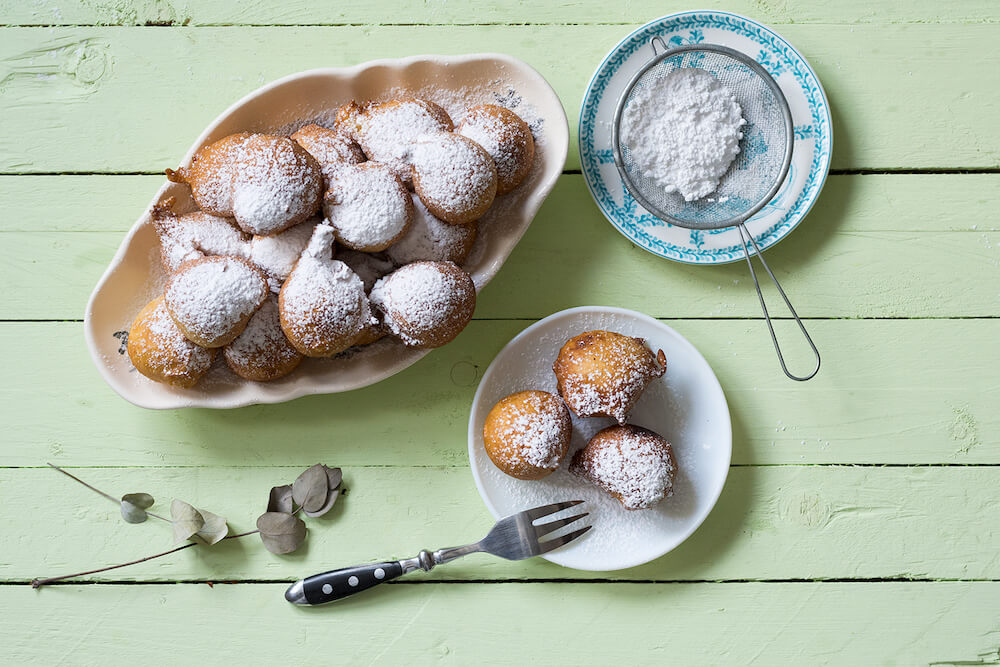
683, 131
212, 296
630, 462
432, 239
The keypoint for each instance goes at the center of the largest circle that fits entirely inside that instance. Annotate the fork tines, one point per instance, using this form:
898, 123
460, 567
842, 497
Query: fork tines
541, 530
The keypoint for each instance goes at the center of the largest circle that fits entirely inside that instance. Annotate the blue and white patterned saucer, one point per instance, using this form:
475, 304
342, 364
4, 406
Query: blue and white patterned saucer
810, 156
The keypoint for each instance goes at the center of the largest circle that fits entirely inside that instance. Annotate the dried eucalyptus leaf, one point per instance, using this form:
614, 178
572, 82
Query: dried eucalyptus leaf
280, 499
215, 528
134, 506
311, 488
187, 521
333, 478
281, 532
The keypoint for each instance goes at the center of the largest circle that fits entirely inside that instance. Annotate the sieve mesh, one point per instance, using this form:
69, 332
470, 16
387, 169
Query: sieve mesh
765, 150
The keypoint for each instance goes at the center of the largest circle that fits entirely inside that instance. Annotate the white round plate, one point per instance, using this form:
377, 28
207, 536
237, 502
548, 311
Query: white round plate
686, 406
810, 156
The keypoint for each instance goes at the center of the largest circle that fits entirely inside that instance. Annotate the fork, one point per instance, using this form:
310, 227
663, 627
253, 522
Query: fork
514, 538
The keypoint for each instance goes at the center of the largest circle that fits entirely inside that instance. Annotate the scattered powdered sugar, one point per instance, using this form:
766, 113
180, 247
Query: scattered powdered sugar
332, 148
323, 301
369, 267
420, 299
367, 206
630, 462
262, 343
431, 239
507, 141
276, 255
172, 354
453, 172
386, 131
683, 131
212, 296
534, 432
193, 235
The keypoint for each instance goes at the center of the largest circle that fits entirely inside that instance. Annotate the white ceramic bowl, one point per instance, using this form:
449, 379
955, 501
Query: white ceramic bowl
135, 275
686, 406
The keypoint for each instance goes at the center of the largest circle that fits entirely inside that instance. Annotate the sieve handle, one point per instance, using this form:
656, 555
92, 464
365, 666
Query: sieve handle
763, 305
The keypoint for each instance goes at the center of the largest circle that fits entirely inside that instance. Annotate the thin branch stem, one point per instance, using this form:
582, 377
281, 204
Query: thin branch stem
106, 495
37, 583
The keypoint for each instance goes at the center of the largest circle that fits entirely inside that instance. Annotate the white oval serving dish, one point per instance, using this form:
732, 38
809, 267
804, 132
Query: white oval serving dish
135, 275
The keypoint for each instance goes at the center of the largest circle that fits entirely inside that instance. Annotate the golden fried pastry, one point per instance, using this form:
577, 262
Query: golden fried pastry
426, 304
322, 305
454, 176
386, 130
633, 464
267, 183
506, 138
331, 148
193, 235
212, 298
276, 255
368, 207
602, 373
432, 240
160, 351
527, 434
262, 352
346, 119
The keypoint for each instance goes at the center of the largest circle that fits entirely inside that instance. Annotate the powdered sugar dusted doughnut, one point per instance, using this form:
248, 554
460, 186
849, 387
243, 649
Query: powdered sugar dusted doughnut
276, 255
454, 176
506, 138
426, 304
602, 373
193, 235
386, 130
262, 351
368, 207
211, 299
160, 351
432, 239
331, 148
323, 306
527, 434
633, 464
267, 183
367, 266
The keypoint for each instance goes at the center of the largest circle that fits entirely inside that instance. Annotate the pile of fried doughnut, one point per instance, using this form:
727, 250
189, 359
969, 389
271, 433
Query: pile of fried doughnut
331, 238
598, 374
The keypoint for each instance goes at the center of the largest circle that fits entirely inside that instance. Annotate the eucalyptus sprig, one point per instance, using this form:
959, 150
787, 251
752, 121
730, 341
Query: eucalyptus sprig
314, 493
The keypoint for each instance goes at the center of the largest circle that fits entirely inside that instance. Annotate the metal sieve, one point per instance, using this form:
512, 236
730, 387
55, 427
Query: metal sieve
751, 181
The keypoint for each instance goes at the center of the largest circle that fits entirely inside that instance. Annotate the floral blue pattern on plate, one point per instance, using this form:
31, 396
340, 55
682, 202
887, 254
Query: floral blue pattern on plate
810, 156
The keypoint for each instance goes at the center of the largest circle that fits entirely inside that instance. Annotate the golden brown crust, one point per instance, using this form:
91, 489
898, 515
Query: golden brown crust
506, 137
454, 177
262, 352
386, 130
603, 373
331, 148
527, 434
632, 464
160, 351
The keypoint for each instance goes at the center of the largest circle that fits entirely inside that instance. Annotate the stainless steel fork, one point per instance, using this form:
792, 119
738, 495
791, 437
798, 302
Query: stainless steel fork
514, 538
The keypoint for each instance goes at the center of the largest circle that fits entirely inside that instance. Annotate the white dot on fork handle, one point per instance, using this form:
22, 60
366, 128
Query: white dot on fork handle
379, 573
353, 581
327, 589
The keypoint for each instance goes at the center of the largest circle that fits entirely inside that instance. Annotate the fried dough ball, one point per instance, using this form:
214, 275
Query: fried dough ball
527, 434
426, 304
430, 239
276, 255
331, 148
161, 352
267, 183
194, 235
212, 298
368, 207
506, 138
369, 268
634, 465
386, 130
323, 306
602, 373
262, 352
454, 176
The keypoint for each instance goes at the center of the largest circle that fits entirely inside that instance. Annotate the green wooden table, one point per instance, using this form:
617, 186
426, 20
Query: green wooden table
861, 520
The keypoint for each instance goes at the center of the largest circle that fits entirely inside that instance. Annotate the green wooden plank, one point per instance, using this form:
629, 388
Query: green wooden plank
298, 12
890, 391
107, 99
951, 623
885, 246
780, 522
